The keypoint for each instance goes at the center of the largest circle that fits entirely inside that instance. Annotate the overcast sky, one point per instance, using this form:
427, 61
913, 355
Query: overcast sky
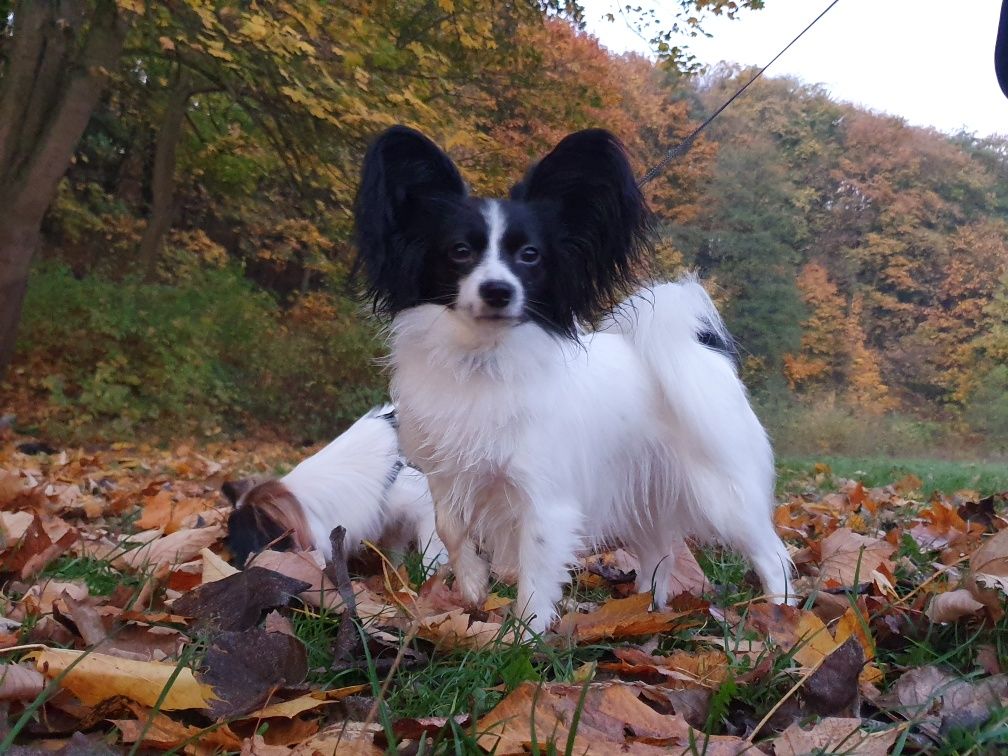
929, 61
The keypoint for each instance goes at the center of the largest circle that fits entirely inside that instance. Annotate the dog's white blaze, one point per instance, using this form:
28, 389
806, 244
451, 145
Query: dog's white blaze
491, 268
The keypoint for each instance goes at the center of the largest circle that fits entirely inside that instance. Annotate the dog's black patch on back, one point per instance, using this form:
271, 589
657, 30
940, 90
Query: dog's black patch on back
390, 417
723, 344
249, 532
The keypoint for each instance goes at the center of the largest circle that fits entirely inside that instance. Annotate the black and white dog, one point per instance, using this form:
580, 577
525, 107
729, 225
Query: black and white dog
540, 438
359, 481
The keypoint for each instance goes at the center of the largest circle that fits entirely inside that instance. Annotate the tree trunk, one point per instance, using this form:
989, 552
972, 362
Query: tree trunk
17, 243
58, 59
162, 207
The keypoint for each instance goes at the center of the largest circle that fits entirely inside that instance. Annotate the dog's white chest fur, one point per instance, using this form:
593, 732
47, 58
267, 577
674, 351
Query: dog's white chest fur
504, 418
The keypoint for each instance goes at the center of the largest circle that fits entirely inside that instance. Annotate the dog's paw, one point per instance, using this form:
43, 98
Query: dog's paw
536, 620
472, 578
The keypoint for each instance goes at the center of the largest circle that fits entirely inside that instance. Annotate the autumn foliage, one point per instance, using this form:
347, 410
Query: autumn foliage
860, 262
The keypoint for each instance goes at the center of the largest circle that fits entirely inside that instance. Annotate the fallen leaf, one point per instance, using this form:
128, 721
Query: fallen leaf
613, 719
214, 568
815, 642
40, 598
457, 629
952, 605
307, 702
238, 602
848, 557
832, 689
834, 735
679, 670
931, 690
175, 548
778, 623
19, 683
95, 677
620, 618
429, 728
155, 730
344, 739
46, 538
245, 668
13, 527
989, 563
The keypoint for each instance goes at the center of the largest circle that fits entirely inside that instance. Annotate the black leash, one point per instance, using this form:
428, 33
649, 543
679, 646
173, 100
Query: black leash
684, 146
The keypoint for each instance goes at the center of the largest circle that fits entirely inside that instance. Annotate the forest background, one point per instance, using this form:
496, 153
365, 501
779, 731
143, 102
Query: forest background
192, 272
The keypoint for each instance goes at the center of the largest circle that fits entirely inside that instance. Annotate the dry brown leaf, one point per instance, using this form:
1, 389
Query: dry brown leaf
989, 563
19, 683
306, 566
13, 526
679, 670
96, 677
175, 548
953, 605
163, 733
834, 735
620, 618
815, 642
848, 556
778, 623
687, 575
46, 538
12, 486
962, 703
457, 629
214, 568
39, 599
613, 719
344, 739
307, 702
163, 511
257, 746
853, 623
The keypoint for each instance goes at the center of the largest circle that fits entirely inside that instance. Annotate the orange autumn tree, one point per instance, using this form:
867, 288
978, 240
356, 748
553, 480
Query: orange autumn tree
865, 387
818, 364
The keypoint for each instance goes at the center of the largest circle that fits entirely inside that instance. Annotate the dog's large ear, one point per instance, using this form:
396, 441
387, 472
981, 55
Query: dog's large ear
597, 214
233, 490
250, 530
405, 179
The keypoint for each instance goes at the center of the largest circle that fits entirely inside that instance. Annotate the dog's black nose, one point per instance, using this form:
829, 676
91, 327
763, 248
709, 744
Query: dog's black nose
496, 293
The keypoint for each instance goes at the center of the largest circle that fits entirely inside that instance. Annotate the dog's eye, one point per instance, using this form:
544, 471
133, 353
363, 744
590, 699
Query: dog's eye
528, 256
461, 253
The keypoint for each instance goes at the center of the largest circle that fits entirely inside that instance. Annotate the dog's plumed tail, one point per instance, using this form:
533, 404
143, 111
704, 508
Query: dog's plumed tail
725, 456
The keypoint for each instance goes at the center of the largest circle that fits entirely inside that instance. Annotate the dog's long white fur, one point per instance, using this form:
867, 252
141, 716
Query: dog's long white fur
536, 447
360, 481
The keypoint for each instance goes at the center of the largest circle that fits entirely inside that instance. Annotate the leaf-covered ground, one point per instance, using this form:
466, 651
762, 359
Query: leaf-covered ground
124, 628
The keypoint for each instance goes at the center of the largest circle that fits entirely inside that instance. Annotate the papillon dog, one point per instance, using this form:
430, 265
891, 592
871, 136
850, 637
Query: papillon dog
539, 436
360, 481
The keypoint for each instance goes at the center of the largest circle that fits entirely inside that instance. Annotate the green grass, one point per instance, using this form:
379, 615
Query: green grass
101, 578
935, 474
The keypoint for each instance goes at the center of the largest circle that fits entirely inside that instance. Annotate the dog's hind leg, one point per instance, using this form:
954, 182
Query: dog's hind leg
654, 551
769, 557
752, 533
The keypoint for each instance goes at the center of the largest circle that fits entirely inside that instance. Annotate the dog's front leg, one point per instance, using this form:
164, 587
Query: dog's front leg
548, 542
472, 572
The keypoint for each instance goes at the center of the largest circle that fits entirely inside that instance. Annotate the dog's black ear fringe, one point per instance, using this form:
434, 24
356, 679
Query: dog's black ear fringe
250, 531
404, 178
233, 489
602, 223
